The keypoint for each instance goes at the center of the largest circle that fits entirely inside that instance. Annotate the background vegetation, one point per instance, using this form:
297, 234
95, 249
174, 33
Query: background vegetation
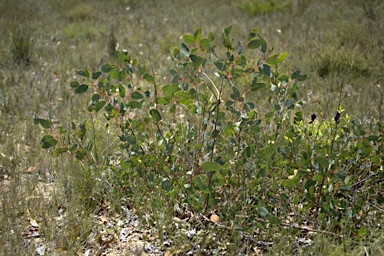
50, 204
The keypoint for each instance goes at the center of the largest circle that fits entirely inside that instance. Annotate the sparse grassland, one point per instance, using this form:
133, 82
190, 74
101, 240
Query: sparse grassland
61, 206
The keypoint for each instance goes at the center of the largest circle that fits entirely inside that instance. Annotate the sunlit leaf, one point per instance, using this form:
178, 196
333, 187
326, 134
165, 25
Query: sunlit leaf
185, 49
197, 35
254, 44
189, 39
363, 231
211, 166
114, 73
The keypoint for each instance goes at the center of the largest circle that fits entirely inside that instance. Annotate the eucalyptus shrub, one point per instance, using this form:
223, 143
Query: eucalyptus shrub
203, 141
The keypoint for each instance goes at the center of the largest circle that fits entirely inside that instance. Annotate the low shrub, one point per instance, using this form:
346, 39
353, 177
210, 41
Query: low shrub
198, 142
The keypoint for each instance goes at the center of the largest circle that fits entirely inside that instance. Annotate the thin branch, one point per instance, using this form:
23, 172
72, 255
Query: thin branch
305, 228
244, 234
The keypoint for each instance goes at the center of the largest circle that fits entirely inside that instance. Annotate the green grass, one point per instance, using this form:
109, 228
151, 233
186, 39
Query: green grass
341, 49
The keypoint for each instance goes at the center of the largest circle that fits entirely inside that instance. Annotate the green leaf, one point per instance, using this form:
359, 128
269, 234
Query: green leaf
282, 57
322, 161
43, 122
281, 150
257, 87
373, 138
106, 68
121, 91
205, 42
255, 128
48, 141
249, 151
219, 64
201, 181
266, 70
197, 35
211, 166
276, 59
155, 114
254, 44
295, 74
60, 151
114, 73
74, 84
196, 60
284, 78
135, 104
211, 36
141, 69
262, 211
96, 75
185, 49
228, 129
253, 33
170, 89
100, 105
363, 231
291, 183
182, 95
137, 95
189, 39
84, 73
301, 78
317, 178
166, 185
227, 30
235, 93
122, 74
131, 139
341, 175
148, 78
79, 155
90, 145
162, 101
82, 88
263, 44
95, 98
173, 108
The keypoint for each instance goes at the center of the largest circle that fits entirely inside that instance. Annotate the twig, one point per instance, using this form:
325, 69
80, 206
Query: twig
246, 235
377, 207
366, 251
305, 228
